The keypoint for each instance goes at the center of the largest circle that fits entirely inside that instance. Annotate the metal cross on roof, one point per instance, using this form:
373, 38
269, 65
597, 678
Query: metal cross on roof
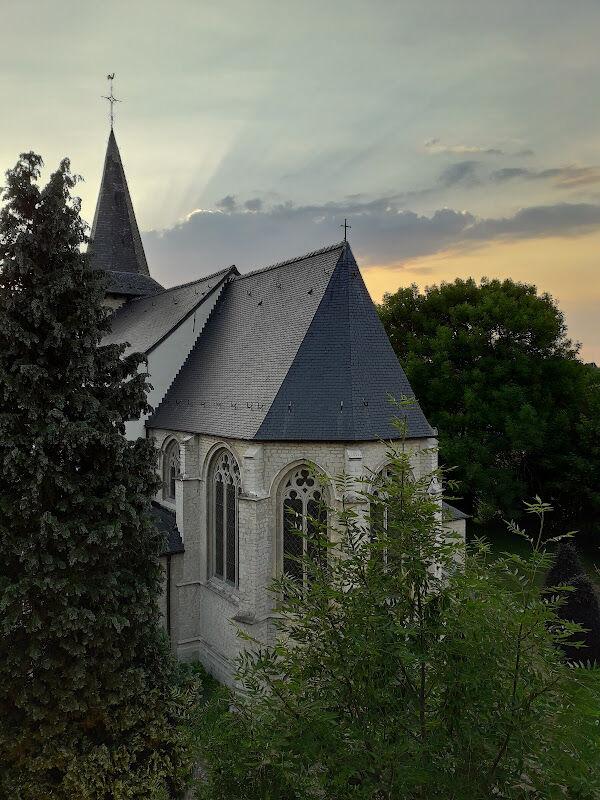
346, 228
111, 99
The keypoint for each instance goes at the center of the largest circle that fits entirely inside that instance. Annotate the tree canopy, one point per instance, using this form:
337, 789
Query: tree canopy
89, 695
518, 413
405, 668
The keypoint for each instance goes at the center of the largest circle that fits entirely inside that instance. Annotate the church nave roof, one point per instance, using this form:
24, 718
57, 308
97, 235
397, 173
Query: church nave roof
146, 321
295, 351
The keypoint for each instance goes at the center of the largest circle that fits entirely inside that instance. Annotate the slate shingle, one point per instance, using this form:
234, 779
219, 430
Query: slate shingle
146, 321
339, 383
292, 352
451, 513
166, 524
115, 242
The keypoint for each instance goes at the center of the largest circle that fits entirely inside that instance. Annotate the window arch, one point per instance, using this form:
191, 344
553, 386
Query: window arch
224, 490
301, 509
171, 468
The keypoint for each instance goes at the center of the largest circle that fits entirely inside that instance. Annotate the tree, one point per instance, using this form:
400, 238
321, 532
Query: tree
518, 413
89, 695
579, 604
401, 672
565, 566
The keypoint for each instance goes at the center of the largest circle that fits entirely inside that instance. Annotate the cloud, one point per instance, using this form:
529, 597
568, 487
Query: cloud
383, 233
436, 146
254, 204
227, 203
569, 177
562, 219
465, 172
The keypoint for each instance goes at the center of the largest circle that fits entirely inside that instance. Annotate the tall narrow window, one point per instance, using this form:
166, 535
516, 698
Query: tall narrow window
225, 489
302, 510
170, 470
379, 512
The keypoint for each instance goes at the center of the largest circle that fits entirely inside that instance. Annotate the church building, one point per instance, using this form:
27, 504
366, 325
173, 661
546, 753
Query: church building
254, 377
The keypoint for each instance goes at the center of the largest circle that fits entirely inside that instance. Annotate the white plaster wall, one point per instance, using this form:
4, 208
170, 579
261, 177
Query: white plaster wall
165, 361
209, 612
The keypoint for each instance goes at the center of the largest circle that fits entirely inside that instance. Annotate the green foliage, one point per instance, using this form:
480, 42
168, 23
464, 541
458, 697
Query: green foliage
405, 668
89, 695
517, 412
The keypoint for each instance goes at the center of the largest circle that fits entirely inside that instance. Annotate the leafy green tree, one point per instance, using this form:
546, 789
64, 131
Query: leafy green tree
518, 413
405, 669
89, 695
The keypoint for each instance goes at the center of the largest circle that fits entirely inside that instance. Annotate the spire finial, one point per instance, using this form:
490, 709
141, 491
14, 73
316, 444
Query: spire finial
111, 99
346, 228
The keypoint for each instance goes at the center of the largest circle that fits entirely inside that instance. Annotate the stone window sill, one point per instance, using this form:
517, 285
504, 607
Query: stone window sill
229, 593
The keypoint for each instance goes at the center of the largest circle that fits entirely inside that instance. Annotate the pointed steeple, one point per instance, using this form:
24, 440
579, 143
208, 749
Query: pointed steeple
115, 242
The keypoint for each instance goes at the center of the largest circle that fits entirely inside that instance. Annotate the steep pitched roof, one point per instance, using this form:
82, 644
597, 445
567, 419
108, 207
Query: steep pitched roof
115, 242
145, 322
292, 352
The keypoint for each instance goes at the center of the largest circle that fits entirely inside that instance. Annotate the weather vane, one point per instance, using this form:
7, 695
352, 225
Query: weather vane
111, 99
346, 228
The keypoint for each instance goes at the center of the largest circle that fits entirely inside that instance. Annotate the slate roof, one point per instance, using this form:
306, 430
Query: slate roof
166, 524
130, 283
145, 322
115, 243
295, 351
451, 513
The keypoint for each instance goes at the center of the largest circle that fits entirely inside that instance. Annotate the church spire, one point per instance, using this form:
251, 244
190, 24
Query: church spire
115, 242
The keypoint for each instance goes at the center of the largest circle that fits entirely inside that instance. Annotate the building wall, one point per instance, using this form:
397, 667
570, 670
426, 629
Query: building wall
207, 613
114, 301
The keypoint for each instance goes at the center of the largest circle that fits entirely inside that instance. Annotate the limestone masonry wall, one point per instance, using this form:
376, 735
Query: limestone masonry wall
206, 612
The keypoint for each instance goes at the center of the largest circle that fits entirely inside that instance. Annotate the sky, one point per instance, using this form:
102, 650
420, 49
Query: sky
459, 137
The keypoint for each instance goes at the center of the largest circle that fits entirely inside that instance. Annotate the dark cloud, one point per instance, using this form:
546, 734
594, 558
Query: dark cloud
569, 177
562, 219
227, 204
508, 173
383, 233
464, 172
254, 204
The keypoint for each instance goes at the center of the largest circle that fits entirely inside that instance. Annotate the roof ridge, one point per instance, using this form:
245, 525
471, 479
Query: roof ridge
202, 278
180, 285
313, 253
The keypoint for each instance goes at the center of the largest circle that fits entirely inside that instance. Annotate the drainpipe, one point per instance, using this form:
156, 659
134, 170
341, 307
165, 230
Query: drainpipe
169, 597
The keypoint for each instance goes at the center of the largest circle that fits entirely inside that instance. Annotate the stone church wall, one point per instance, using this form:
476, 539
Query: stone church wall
206, 613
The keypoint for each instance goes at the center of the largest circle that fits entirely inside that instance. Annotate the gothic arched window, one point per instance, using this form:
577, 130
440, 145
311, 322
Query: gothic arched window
379, 510
225, 486
302, 509
171, 467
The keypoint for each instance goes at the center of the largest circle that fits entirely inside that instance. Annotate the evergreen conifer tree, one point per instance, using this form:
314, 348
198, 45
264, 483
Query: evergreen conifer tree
578, 604
89, 694
581, 606
566, 565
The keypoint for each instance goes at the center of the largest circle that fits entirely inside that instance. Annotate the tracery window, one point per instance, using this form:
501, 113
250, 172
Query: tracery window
302, 509
225, 487
171, 467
